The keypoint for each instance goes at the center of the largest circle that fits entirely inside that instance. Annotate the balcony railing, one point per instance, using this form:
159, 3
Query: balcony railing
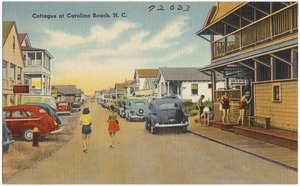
268, 28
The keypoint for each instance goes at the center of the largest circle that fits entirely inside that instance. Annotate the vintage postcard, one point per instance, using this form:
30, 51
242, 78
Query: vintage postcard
144, 92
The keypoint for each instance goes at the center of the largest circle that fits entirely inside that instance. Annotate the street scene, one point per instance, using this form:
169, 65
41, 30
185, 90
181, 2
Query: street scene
150, 93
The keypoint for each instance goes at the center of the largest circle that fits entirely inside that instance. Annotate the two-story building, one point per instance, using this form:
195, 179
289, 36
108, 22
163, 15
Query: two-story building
258, 42
144, 80
37, 72
185, 83
12, 65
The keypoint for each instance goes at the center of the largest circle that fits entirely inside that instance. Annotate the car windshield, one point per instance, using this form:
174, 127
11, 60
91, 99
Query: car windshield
63, 104
42, 110
166, 106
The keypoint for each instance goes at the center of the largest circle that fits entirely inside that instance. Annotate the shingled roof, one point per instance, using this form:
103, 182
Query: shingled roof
146, 73
6, 28
183, 74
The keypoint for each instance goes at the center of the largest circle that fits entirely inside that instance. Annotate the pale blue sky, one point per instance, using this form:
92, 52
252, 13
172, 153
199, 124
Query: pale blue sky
96, 53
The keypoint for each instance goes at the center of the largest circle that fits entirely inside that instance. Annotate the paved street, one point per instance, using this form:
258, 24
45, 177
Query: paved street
171, 157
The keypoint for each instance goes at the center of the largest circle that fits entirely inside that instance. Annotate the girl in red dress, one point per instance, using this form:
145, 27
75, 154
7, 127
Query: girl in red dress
113, 125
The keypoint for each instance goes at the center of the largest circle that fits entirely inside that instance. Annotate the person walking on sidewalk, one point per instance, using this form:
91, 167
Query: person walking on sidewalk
200, 106
113, 125
225, 108
86, 122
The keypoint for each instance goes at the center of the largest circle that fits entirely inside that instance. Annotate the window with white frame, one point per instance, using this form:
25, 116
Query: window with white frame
276, 91
194, 89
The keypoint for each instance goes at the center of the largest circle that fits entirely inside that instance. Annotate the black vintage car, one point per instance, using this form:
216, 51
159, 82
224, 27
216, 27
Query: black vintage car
166, 113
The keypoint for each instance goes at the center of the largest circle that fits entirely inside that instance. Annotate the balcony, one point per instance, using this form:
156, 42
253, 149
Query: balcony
277, 25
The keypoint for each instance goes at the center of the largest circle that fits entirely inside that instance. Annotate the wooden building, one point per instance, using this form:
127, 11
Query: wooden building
258, 42
12, 65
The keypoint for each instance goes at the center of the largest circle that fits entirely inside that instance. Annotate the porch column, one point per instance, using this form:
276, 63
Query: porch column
213, 86
168, 88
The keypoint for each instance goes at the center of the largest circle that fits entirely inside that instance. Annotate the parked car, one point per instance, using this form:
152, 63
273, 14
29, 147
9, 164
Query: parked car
21, 120
75, 107
51, 111
166, 113
6, 137
136, 109
63, 108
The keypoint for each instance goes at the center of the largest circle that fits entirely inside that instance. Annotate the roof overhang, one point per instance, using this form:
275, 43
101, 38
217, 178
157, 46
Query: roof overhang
246, 56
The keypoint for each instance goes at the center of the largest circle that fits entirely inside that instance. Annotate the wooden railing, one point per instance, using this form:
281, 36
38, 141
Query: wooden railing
275, 25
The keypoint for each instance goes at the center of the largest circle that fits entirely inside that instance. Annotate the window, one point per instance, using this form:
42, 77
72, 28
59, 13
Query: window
18, 113
19, 73
209, 85
276, 93
37, 83
195, 89
4, 70
14, 42
12, 71
30, 113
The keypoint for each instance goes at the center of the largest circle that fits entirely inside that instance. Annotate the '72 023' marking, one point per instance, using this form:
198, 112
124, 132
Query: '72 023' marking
172, 7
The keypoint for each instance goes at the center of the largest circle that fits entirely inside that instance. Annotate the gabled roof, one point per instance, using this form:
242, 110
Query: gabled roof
146, 73
218, 13
26, 48
183, 74
67, 89
6, 28
21, 37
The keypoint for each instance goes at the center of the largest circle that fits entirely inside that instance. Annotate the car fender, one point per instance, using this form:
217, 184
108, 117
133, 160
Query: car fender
43, 129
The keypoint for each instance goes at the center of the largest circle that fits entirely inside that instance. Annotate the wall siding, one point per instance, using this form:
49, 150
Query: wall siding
284, 114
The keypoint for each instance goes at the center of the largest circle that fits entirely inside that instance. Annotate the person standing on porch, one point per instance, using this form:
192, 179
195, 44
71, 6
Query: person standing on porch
242, 106
225, 108
200, 106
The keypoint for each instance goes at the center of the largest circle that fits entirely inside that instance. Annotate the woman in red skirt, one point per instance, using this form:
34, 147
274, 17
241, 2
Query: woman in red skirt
113, 125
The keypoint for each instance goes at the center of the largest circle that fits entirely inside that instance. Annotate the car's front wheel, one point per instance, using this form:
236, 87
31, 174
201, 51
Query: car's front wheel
5, 148
28, 134
184, 129
147, 125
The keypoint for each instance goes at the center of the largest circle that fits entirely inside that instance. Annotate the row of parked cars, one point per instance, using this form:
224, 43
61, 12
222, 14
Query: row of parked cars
19, 121
157, 113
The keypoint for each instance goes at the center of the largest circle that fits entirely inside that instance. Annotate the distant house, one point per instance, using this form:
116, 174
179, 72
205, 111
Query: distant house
185, 83
12, 65
37, 72
68, 93
144, 81
121, 89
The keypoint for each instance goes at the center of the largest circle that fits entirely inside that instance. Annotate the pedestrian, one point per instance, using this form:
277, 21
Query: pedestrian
206, 115
225, 107
242, 106
86, 122
113, 125
200, 106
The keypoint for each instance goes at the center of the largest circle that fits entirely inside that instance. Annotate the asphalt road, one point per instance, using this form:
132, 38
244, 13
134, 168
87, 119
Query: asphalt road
171, 157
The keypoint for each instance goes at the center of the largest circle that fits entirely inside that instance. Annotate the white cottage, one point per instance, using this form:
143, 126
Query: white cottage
185, 83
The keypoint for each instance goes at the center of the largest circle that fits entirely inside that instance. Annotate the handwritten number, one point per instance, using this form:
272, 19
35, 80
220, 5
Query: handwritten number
187, 8
172, 7
161, 7
151, 8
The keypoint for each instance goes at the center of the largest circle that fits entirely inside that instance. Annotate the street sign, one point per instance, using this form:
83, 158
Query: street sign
20, 89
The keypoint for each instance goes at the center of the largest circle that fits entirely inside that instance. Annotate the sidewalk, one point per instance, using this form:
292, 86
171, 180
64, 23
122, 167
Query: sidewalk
279, 155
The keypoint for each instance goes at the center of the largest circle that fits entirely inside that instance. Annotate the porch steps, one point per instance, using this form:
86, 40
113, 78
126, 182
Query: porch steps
280, 137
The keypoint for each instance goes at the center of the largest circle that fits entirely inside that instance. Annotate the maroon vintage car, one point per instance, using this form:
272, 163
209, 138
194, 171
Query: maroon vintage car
63, 108
21, 120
